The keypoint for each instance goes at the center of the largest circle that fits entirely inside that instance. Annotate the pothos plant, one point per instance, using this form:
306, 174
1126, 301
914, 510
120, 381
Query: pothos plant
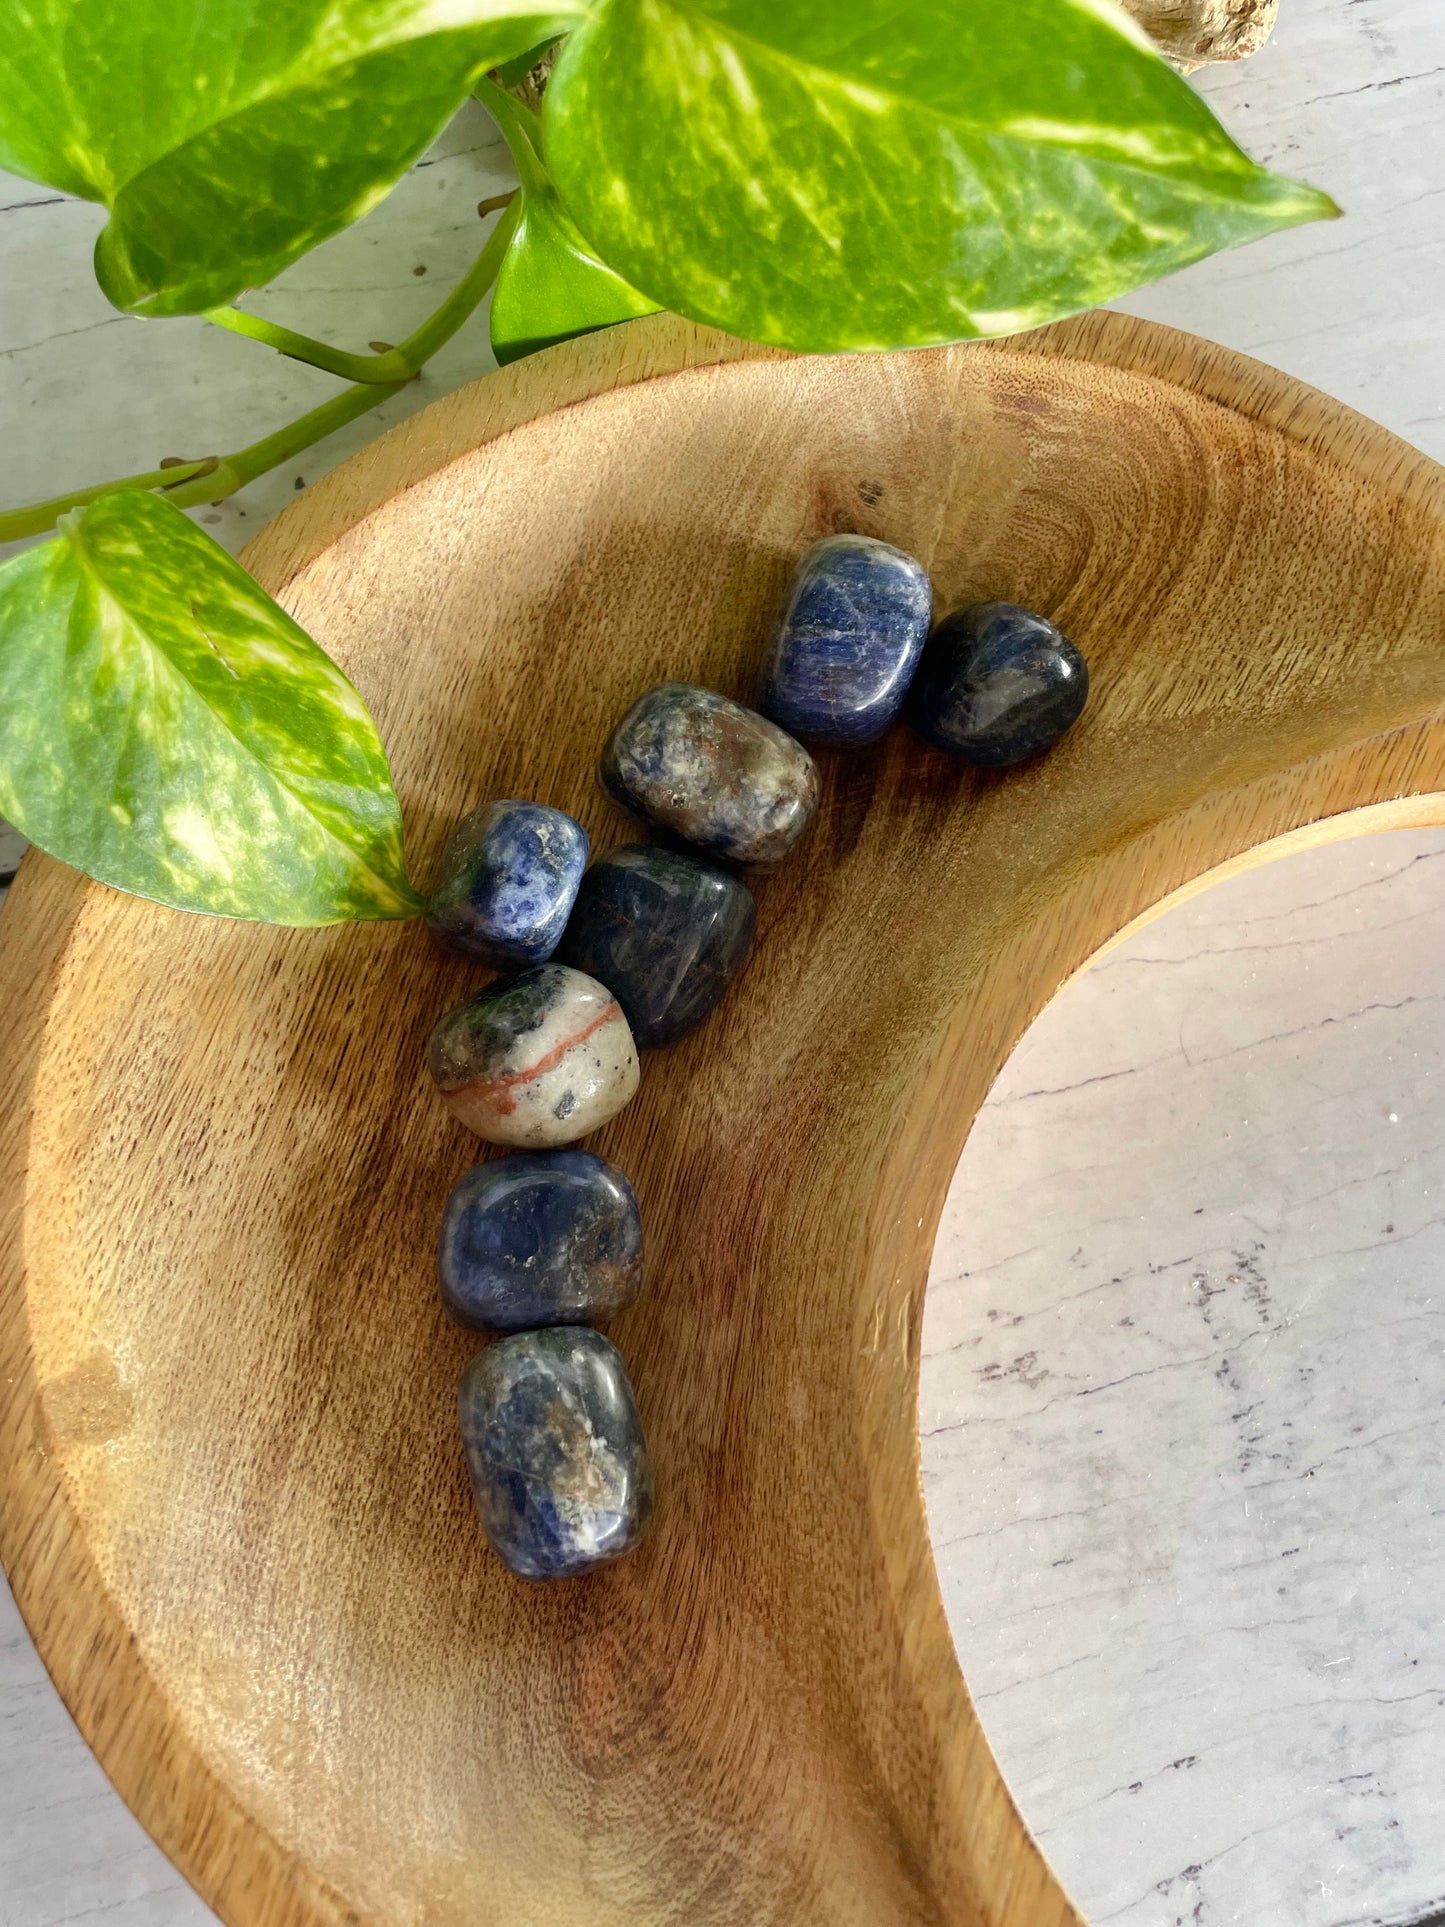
820, 174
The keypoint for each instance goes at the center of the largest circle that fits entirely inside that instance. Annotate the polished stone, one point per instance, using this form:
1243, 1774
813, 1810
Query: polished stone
997, 684
714, 773
540, 1238
535, 1060
665, 932
556, 1451
508, 877
849, 640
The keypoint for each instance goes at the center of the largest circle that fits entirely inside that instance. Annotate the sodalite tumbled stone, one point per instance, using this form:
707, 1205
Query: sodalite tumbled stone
556, 1451
535, 1060
540, 1238
848, 641
716, 774
665, 932
997, 684
508, 877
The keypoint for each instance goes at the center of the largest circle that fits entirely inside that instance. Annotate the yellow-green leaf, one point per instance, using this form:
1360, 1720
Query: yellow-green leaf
167, 728
228, 137
891, 173
551, 286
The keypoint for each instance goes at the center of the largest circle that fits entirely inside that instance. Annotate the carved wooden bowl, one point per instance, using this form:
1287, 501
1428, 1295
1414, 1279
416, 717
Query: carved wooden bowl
235, 1512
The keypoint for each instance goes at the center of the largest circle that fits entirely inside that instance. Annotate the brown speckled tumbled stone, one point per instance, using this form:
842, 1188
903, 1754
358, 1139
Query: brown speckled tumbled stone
718, 775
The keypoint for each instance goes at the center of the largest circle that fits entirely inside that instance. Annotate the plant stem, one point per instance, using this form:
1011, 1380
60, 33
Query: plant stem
234, 471
402, 362
212, 479
39, 516
522, 131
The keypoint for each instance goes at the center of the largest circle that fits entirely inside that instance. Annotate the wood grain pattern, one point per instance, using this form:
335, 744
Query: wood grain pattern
234, 1510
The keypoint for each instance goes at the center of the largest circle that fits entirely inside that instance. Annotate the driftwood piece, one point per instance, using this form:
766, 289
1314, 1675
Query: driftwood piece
1197, 32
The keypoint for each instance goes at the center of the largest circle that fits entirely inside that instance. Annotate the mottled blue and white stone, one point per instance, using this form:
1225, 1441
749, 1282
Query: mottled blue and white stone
535, 1060
556, 1451
665, 932
713, 772
997, 684
509, 874
541, 1238
849, 640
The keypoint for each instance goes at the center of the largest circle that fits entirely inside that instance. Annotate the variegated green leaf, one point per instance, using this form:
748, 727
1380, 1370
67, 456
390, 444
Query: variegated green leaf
552, 285
227, 138
165, 727
890, 173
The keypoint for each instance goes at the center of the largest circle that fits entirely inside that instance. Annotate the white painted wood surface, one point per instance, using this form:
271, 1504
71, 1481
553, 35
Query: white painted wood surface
1351, 94
1183, 1406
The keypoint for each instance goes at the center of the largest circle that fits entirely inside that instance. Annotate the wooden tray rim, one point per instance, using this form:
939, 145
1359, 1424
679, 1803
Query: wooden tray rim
233, 1863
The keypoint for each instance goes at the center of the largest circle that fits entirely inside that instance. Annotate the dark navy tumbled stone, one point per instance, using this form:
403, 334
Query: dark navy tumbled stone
848, 641
509, 873
541, 1238
713, 772
997, 684
555, 1447
665, 932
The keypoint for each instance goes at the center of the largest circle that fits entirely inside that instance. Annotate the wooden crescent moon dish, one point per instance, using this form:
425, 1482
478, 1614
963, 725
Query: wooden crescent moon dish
235, 1511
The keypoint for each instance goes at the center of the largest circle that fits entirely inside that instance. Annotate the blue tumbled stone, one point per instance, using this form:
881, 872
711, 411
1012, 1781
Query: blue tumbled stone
541, 1238
997, 684
665, 932
508, 877
555, 1447
849, 640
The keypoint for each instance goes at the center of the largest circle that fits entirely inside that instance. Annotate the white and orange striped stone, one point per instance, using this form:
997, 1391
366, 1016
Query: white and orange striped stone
536, 1060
